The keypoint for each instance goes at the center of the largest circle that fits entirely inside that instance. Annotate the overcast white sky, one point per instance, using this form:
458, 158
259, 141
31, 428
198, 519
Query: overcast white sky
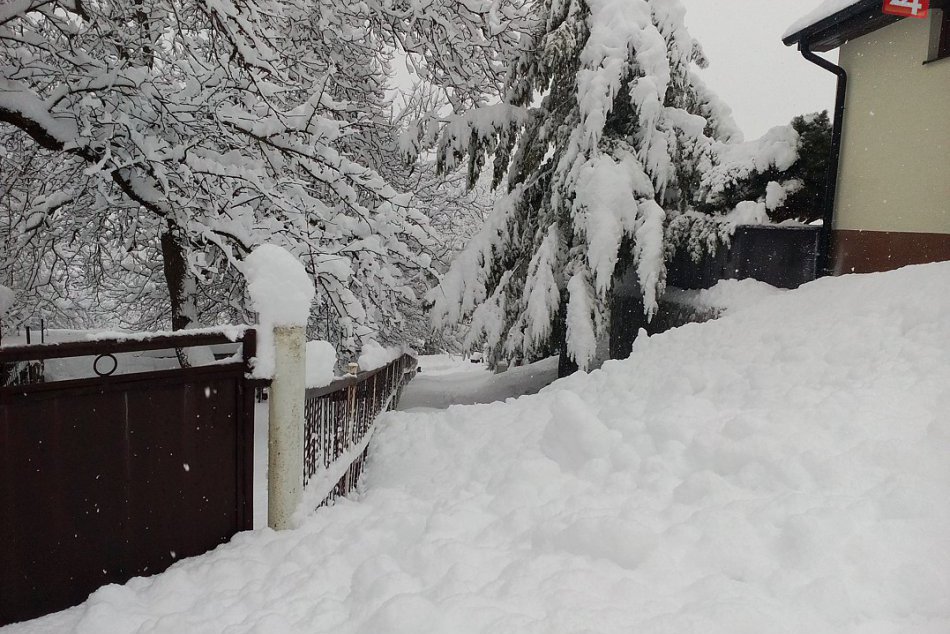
764, 82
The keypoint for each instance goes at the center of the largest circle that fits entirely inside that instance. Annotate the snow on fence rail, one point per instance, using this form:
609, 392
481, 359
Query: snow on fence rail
339, 423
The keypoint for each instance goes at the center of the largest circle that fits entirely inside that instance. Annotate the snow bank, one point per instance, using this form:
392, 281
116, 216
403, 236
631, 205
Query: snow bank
733, 295
727, 296
825, 10
780, 470
321, 362
281, 293
374, 355
448, 380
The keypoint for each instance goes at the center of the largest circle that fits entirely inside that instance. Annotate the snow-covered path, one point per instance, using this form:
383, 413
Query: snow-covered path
448, 380
781, 470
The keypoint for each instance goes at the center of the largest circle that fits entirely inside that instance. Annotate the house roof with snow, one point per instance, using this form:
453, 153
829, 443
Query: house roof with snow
835, 22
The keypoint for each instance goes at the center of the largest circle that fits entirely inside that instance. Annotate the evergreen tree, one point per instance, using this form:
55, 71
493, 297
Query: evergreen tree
602, 138
803, 181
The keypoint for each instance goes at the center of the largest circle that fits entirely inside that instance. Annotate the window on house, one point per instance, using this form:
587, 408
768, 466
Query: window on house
940, 39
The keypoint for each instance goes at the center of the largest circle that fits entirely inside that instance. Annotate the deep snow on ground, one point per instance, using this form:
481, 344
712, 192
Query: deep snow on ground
781, 470
452, 380
446, 380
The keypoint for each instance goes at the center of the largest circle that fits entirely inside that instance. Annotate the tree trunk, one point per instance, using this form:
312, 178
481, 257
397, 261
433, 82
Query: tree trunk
566, 366
181, 285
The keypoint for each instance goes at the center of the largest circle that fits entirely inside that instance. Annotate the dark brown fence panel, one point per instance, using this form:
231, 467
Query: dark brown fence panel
109, 478
339, 417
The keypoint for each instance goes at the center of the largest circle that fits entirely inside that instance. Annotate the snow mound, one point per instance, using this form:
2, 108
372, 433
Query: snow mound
575, 435
321, 362
733, 295
279, 286
374, 355
781, 470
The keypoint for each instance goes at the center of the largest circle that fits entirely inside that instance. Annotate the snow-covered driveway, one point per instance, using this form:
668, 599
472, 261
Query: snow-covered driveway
785, 469
448, 380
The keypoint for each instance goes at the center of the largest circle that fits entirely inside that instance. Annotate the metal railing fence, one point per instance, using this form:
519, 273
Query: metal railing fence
339, 421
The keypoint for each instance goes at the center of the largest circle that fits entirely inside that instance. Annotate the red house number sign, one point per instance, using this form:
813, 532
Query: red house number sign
907, 8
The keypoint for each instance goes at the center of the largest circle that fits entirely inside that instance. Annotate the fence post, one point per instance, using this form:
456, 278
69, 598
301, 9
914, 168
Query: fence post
285, 459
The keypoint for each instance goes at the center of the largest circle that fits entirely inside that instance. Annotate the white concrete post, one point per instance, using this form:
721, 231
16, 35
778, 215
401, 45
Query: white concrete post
285, 459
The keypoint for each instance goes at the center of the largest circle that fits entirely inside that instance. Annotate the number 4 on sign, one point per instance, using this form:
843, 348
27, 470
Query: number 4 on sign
907, 8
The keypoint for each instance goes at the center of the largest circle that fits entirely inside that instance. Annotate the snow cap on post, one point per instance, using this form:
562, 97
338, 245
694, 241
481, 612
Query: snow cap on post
281, 291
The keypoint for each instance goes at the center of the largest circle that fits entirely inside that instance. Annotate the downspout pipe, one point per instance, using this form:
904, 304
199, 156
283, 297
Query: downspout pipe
826, 240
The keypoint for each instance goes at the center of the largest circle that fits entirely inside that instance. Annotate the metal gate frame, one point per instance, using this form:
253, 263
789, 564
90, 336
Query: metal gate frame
107, 478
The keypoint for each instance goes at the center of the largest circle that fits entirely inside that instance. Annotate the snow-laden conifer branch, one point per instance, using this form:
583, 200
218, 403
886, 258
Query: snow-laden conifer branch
608, 139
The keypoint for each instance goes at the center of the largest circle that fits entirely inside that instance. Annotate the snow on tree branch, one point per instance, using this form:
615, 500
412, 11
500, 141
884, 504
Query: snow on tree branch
236, 122
609, 141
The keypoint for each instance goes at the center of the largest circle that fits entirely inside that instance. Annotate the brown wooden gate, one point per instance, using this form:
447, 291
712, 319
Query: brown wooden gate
107, 478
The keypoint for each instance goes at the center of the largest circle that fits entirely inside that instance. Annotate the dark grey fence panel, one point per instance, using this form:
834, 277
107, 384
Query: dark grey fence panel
108, 478
781, 255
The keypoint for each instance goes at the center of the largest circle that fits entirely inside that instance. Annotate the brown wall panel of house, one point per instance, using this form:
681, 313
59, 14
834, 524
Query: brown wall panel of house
872, 251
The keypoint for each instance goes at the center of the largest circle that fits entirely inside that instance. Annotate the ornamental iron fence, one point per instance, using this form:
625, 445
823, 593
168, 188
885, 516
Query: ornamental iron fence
339, 423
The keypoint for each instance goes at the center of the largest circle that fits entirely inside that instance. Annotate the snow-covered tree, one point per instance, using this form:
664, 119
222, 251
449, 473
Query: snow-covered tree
201, 128
602, 138
79, 258
455, 211
793, 192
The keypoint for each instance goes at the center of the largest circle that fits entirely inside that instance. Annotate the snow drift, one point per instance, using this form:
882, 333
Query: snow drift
781, 470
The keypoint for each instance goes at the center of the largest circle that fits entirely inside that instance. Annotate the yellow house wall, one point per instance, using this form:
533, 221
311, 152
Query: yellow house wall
895, 160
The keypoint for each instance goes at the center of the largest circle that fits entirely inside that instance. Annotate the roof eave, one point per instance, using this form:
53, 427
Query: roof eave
854, 21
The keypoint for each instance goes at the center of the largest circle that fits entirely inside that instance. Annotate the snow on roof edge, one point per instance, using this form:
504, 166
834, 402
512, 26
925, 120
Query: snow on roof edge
824, 11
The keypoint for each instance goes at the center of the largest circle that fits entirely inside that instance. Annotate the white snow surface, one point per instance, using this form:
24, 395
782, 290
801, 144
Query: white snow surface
127, 362
374, 355
726, 296
281, 293
734, 295
280, 288
777, 471
321, 362
448, 380
231, 331
825, 10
